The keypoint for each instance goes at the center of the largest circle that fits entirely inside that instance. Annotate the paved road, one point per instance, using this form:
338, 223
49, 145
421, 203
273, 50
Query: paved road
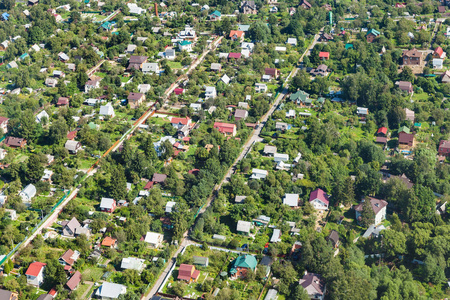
254, 138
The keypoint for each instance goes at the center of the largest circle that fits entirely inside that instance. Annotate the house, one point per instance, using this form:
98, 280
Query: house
305, 4
382, 131
179, 91
438, 63
249, 8
210, 92
262, 88
4, 124
225, 79
319, 199
243, 227
242, 265
239, 199
4, 45
439, 53
5, 16
445, 77
154, 239
411, 57
216, 67
179, 123
144, 88
135, 9
215, 16
91, 84
290, 113
240, 114
362, 112
277, 157
135, 99
109, 291
188, 273
170, 207
201, 261
271, 295
259, 174
371, 35
326, 37
444, 147
35, 273
63, 57
324, 55
188, 34
69, 257
234, 55
292, 42
69, 228
236, 35
150, 68
12, 65
405, 86
409, 115
333, 237
159, 178
7, 295
15, 142
225, 128
314, 285
41, 116
62, 101
378, 208
108, 205
185, 46
272, 72
291, 200
269, 150
276, 236
28, 193
133, 263
74, 281
170, 54
107, 110
321, 70
109, 242
136, 62
281, 126
405, 139
300, 97
51, 82
72, 146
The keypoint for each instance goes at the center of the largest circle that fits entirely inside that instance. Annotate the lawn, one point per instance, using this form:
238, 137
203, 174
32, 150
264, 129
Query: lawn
174, 65
93, 274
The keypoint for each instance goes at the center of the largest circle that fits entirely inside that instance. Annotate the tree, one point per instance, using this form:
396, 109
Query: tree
299, 293
118, 186
259, 31
178, 288
407, 74
394, 243
28, 125
35, 170
9, 4
367, 214
58, 130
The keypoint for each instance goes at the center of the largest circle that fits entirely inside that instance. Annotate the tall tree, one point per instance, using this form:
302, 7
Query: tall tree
58, 131
118, 185
367, 214
35, 170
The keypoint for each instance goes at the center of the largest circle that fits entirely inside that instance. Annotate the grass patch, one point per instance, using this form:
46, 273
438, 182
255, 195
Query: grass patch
174, 65
93, 274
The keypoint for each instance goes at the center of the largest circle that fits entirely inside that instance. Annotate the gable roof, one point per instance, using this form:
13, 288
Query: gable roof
439, 51
374, 32
333, 237
107, 203
72, 224
108, 241
74, 281
159, 178
313, 284
111, 290
404, 129
135, 59
405, 138
35, 268
377, 205
412, 53
69, 257
224, 127
382, 130
234, 55
320, 195
182, 121
236, 33
216, 13
185, 272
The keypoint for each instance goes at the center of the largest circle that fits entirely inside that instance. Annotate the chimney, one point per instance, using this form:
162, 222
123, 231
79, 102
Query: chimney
156, 9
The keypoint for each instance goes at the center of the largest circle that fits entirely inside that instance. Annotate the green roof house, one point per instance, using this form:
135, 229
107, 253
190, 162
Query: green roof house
107, 25
371, 35
404, 129
321, 100
300, 97
243, 264
348, 46
215, 16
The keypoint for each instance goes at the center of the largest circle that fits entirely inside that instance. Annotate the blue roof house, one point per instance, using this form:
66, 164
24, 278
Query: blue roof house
5, 16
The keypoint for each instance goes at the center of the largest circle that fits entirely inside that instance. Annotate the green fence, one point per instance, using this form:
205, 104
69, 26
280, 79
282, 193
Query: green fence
35, 228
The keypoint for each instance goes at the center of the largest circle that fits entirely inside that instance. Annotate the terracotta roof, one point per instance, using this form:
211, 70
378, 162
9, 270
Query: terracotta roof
35, 268
382, 130
324, 54
74, 281
149, 185
237, 33
439, 51
234, 55
108, 241
67, 257
224, 127
320, 195
3, 119
72, 134
185, 272
183, 121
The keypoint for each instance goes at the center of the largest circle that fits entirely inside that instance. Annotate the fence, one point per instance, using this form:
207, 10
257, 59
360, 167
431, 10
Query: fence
34, 229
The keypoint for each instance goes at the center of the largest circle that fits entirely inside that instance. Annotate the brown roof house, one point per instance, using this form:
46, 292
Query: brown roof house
272, 72
159, 178
249, 8
15, 142
405, 138
444, 147
405, 86
378, 207
240, 114
445, 77
305, 4
314, 285
74, 281
411, 57
69, 257
69, 227
136, 62
334, 238
188, 273
135, 99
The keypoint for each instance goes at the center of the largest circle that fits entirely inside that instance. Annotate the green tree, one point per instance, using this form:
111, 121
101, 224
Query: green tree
35, 169
118, 185
58, 130
394, 243
9, 4
367, 214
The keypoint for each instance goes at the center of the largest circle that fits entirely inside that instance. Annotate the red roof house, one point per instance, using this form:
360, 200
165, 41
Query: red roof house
319, 199
74, 281
236, 35
62, 101
382, 131
438, 53
225, 128
71, 135
178, 91
179, 123
194, 172
35, 273
444, 147
188, 273
109, 242
234, 55
324, 55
